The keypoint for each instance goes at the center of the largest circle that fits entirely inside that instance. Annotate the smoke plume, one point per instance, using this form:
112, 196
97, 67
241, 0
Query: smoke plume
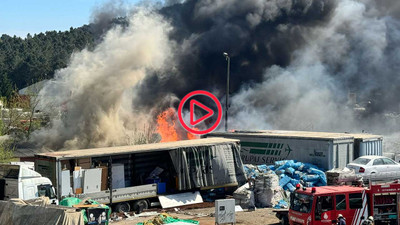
94, 91
324, 65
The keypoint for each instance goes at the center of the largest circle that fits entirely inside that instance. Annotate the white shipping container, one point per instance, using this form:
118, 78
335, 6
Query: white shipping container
367, 144
326, 150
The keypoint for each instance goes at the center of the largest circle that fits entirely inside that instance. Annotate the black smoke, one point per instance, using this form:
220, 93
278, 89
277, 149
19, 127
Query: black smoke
256, 34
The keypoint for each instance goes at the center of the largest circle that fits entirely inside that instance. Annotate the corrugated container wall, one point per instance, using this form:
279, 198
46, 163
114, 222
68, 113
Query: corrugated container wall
366, 144
326, 150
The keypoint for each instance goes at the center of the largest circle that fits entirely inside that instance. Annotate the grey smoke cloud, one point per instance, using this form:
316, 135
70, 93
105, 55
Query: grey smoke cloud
293, 64
353, 52
94, 91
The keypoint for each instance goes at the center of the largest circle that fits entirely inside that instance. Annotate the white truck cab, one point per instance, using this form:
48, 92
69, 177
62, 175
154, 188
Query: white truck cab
20, 181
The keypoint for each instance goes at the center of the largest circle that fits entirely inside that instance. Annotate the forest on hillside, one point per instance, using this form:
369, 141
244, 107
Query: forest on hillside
24, 61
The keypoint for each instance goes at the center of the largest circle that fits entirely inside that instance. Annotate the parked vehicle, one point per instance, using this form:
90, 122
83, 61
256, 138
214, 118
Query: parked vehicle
19, 181
132, 177
376, 167
322, 205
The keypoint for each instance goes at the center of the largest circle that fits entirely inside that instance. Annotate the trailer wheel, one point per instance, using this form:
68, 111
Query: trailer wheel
140, 205
122, 207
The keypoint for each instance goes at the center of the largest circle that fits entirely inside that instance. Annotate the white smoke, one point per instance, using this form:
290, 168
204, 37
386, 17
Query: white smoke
94, 92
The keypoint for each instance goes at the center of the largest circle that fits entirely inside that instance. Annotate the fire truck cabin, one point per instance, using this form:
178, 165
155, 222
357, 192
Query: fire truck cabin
322, 205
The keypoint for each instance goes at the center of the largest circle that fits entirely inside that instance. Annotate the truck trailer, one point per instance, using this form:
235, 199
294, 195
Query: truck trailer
326, 150
132, 176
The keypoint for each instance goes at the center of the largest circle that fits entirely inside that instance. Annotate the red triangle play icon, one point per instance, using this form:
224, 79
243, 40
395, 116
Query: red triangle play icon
210, 112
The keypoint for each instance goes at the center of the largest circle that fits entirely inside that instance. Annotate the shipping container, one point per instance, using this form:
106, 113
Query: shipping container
141, 172
326, 150
367, 144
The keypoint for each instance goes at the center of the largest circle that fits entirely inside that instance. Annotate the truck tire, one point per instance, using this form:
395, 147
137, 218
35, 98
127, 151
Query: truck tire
140, 205
122, 207
284, 220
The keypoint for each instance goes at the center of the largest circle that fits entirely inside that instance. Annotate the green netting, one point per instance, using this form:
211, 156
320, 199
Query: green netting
69, 202
164, 218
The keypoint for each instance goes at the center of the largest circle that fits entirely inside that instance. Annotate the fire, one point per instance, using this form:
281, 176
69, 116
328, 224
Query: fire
169, 128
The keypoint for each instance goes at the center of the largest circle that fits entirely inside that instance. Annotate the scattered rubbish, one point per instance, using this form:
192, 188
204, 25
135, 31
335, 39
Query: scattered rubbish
343, 176
267, 190
91, 210
290, 173
155, 173
244, 196
38, 212
268, 183
238, 208
282, 204
145, 214
164, 218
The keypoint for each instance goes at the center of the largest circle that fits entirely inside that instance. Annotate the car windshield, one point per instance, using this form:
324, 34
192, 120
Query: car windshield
362, 161
301, 202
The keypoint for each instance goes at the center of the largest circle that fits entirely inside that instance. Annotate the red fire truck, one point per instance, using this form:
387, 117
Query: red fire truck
322, 205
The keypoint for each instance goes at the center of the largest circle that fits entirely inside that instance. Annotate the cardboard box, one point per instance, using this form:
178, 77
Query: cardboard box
85, 163
78, 191
104, 177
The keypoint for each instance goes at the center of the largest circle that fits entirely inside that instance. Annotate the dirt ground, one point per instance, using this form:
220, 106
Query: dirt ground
205, 216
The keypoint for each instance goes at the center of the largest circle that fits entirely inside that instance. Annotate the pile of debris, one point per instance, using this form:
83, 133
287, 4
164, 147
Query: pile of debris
268, 184
164, 218
290, 174
343, 176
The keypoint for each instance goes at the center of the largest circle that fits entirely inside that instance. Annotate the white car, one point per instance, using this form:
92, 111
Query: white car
375, 167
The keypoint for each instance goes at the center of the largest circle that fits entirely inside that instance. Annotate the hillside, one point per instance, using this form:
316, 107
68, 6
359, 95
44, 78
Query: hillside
37, 57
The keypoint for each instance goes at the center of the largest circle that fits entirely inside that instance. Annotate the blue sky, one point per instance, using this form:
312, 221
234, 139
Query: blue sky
20, 17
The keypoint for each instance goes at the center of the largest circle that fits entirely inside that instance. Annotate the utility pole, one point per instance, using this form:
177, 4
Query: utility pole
228, 59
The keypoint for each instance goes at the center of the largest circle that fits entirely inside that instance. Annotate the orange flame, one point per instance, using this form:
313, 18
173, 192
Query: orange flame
166, 125
168, 129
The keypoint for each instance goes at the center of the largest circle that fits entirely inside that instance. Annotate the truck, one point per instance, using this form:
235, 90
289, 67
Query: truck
322, 205
133, 177
18, 180
326, 150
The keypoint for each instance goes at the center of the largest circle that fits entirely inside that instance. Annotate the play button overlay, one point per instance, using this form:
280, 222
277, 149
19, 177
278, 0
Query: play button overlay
198, 108
194, 103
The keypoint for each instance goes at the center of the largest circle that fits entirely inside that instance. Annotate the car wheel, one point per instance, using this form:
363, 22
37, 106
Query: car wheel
284, 220
122, 207
140, 205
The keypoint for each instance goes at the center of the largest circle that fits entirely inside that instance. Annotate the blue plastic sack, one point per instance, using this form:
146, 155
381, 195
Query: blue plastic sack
290, 171
282, 204
263, 168
290, 187
320, 173
310, 178
294, 182
272, 167
279, 172
284, 180
296, 165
